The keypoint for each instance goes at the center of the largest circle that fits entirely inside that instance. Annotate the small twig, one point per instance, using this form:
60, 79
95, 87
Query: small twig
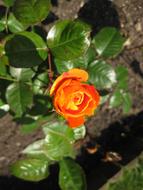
50, 72
49, 61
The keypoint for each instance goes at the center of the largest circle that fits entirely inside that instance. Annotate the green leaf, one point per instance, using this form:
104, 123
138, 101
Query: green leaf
130, 177
108, 42
30, 169
24, 74
127, 102
40, 83
26, 49
2, 24
14, 25
27, 124
121, 97
68, 39
19, 96
60, 127
4, 108
58, 135
63, 66
104, 98
81, 62
71, 176
79, 132
2, 52
41, 106
122, 77
3, 70
35, 149
8, 3
116, 99
122, 72
101, 74
30, 12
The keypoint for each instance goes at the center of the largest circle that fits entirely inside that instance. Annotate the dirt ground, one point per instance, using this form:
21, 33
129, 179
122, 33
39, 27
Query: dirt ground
109, 128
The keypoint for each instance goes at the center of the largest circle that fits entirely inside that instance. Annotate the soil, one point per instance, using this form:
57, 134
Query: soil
110, 129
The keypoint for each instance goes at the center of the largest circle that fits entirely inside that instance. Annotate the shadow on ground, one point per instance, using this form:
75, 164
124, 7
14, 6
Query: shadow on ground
13, 183
125, 138
99, 13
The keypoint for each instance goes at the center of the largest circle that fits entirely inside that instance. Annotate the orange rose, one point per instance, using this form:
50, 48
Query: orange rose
72, 99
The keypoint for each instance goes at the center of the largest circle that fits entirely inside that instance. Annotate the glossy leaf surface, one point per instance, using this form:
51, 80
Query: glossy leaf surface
30, 169
14, 25
68, 39
19, 97
101, 74
25, 50
108, 42
81, 62
30, 12
71, 176
22, 74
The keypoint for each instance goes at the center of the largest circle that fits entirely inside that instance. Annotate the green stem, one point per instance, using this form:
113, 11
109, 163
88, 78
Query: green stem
9, 79
6, 18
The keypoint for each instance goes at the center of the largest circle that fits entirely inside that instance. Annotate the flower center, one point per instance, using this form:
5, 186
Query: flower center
75, 100
78, 98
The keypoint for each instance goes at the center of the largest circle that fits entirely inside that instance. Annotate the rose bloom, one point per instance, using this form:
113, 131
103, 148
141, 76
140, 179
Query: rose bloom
73, 99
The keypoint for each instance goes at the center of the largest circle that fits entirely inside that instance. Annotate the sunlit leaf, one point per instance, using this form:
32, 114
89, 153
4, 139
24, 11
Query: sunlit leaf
71, 175
14, 25
122, 77
22, 74
57, 144
129, 178
2, 24
121, 98
108, 42
58, 135
30, 169
79, 132
35, 149
116, 99
30, 12
81, 62
127, 102
60, 127
101, 74
68, 39
19, 96
41, 83
4, 108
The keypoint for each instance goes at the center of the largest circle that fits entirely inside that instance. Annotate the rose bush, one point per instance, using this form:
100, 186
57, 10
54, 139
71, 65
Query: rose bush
26, 46
73, 99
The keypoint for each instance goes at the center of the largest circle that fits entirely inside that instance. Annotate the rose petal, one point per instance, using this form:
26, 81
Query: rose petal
75, 122
92, 92
91, 108
78, 74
